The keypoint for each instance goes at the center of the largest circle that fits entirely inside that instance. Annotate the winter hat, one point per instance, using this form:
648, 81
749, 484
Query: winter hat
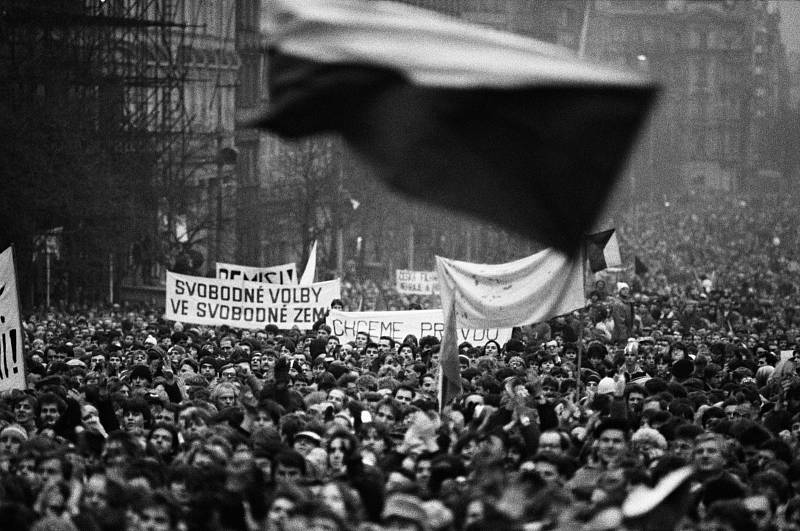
16, 430
150, 341
622, 285
406, 507
606, 386
651, 436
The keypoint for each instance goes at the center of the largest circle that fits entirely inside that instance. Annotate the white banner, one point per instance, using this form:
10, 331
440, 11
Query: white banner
399, 324
280, 274
526, 291
243, 304
417, 282
12, 367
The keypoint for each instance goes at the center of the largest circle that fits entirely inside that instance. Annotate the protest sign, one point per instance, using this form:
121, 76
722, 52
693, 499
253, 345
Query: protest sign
280, 274
417, 282
244, 304
399, 324
12, 368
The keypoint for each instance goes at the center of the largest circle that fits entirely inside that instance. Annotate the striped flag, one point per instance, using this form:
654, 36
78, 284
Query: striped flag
602, 250
519, 132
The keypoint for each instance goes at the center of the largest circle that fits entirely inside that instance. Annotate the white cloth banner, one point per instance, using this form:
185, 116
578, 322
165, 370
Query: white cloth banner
399, 324
410, 282
12, 366
279, 274
243, 304
530, 290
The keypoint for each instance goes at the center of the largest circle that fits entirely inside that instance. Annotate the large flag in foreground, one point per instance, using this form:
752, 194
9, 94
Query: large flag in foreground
526, 291
12, 365
517, 131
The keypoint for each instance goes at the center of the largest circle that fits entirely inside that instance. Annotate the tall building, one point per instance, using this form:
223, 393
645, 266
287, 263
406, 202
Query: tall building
142, 94
722, 68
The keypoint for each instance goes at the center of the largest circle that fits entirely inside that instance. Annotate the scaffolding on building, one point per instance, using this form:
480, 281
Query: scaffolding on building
127, 62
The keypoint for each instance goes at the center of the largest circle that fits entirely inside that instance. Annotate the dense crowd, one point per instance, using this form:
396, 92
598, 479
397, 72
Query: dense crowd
671, 401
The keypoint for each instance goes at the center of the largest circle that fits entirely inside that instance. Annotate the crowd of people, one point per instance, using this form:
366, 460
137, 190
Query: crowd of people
671, 401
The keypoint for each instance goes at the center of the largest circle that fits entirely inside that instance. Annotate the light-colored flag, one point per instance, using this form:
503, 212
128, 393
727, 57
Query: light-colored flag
12, 366
530, 290
311, 266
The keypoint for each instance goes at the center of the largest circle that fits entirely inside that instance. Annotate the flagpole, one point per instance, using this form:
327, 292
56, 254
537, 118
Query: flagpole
578, 386
584, 30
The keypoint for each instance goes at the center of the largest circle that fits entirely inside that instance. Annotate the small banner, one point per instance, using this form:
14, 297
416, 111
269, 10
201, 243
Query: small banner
12, 367
417, 282
243, 304
399, 324
280, 274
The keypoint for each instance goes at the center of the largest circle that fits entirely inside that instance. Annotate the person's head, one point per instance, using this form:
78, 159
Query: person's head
95, 493
554, 469
612, 439
761, 509
224, 395
635, 396
193, 422
491, 348
361, 340
288, 466
428, 383
52, 466
136, 416
341, 446
553, 442
404, 395
282, 507
710, 452
338, 398
12, 437
387, 413
157, 511
727, 515
49, 409
163, 438
305, 441
24, 409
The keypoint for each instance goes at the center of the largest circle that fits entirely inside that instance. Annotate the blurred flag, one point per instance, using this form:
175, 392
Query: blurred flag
639, 267
519, 132
602, 250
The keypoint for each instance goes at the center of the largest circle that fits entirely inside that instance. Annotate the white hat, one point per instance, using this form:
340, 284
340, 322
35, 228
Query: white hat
75, 363
308, 434
606, 386
621, 286
151, 340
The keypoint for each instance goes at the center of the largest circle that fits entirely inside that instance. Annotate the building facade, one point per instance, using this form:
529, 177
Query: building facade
722, 69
